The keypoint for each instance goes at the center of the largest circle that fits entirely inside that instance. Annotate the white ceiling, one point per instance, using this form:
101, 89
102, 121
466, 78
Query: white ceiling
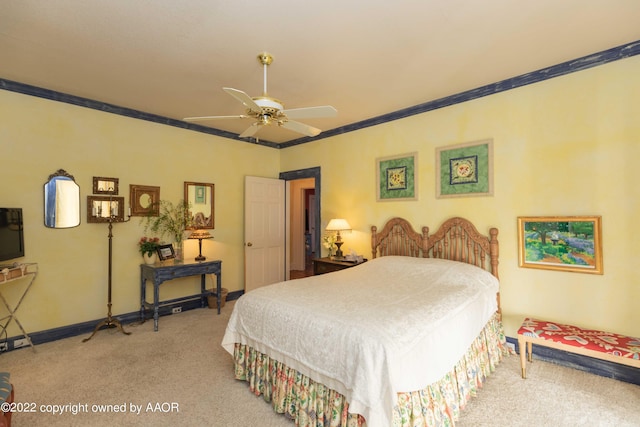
366, 58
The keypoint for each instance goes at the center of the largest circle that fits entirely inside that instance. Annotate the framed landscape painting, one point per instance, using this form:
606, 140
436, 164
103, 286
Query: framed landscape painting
397, 177
565, 243
465, 170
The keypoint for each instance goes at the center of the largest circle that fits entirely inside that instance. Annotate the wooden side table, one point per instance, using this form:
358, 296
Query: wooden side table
327, 265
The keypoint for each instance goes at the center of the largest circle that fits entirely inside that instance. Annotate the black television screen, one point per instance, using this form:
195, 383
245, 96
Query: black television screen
11, 234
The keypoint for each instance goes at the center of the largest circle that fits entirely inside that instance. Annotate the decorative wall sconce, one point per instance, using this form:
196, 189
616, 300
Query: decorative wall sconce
105, 209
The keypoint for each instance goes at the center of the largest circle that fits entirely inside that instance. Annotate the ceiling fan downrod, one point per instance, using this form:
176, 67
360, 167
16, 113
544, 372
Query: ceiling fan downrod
265, 59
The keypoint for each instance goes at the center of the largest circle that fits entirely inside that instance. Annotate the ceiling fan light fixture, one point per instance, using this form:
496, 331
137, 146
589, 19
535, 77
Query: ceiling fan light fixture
266, 110
265, 119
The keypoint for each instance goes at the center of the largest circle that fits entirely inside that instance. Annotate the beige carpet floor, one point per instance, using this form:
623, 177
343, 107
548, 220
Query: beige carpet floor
181, 376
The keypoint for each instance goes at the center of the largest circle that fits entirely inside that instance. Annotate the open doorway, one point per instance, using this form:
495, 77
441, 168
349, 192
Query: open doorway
303, 201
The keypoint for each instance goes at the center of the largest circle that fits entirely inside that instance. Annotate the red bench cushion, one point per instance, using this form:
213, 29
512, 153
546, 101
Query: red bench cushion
605, 342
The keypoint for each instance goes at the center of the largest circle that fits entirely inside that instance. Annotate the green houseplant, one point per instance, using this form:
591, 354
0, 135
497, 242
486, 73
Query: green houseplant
172, 220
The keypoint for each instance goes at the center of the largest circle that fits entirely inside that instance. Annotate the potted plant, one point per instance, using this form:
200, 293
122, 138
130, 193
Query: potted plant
148, 247
172, 220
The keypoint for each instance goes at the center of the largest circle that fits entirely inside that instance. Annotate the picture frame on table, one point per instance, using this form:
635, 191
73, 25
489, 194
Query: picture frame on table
561, 243
166, 252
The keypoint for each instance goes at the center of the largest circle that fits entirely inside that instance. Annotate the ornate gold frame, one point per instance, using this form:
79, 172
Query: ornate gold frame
559, 241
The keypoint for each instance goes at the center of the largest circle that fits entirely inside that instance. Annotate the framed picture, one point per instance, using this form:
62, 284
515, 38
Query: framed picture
144, 200
397, 177
565, 243
465, 170
103, 185
105, 209
166, 252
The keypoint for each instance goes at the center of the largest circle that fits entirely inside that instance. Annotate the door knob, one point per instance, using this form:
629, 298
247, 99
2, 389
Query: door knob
249, 244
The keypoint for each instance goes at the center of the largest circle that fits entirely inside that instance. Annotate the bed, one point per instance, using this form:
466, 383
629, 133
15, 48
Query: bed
405, 339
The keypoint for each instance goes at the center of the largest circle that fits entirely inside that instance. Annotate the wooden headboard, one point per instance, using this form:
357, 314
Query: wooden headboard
457, 239
398, 238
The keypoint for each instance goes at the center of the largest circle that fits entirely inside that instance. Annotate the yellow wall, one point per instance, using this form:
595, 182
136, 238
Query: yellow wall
566, 146
39, 136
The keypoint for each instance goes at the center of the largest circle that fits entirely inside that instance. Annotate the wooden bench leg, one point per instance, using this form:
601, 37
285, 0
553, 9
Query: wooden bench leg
523, 346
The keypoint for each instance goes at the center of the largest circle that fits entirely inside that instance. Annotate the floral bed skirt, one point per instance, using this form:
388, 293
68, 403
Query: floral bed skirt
311, 404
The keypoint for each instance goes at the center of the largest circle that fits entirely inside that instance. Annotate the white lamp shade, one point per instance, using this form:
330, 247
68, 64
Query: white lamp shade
338, 224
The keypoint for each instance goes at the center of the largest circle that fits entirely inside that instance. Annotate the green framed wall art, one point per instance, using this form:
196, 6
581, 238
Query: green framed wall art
397, 177
465, 170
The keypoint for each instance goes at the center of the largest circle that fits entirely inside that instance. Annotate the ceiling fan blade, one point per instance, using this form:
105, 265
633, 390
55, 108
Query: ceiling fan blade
246, 100
251, 130
202, 118
300, 128
311, 112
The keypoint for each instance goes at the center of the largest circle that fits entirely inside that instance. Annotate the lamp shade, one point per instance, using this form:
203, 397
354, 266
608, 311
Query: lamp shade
338, 224
200, 234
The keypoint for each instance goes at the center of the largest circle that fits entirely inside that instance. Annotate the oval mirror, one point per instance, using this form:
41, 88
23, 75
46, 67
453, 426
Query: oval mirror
145, 201
61, 201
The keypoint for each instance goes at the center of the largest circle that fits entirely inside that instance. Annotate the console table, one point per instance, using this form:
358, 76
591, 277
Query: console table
160, 272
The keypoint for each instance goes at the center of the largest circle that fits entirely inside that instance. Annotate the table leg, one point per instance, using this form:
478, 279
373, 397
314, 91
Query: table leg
156, 299
143, 297
219, 289
203, 285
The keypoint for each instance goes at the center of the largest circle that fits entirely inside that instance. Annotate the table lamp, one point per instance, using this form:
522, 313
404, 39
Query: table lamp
200, 234
338, 225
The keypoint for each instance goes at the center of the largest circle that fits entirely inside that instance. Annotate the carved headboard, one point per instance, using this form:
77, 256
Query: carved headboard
399, 238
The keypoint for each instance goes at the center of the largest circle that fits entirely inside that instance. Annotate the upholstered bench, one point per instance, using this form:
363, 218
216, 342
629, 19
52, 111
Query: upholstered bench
6, 395
600, 345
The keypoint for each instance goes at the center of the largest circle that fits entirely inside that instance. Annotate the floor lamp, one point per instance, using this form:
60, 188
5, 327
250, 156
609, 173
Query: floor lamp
110, 322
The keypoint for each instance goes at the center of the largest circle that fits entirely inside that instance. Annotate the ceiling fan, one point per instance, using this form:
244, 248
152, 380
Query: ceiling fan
266, 110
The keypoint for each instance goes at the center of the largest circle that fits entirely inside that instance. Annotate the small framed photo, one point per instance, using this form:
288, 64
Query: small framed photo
166, 252
563, 243
397, 177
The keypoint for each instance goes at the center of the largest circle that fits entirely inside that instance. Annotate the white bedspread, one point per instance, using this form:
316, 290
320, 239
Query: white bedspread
391, 324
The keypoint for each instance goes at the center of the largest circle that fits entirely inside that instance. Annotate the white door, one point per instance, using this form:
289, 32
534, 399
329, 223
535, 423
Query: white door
264, 231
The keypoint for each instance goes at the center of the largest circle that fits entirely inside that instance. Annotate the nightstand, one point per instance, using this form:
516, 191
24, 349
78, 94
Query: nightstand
327, 265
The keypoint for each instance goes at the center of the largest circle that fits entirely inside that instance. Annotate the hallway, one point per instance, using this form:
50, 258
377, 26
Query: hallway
308, 269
